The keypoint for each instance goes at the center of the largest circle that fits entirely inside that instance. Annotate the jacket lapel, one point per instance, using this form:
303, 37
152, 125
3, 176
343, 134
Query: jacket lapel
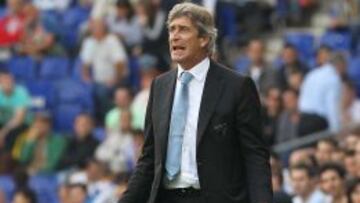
165, 106
211, 93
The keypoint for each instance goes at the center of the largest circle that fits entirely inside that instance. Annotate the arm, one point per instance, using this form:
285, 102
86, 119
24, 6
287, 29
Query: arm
139, 185
253, 146
15, 121
333, 102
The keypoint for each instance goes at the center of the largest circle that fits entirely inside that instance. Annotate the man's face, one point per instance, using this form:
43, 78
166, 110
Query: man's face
289, 55
331, 183
301, 182
186, 46
122, 98
256, 51
290, 100
83, 126
6, 83
324, 152
77, 195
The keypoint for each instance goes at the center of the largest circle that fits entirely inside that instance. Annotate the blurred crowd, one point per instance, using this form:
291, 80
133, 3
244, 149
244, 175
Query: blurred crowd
72, 133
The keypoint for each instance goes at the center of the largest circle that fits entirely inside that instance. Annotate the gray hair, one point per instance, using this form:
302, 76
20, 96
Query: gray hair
200, 17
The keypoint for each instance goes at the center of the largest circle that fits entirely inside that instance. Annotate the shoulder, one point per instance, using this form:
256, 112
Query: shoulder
229, 76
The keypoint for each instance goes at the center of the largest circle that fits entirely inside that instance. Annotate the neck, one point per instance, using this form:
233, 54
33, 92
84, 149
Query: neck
190, 64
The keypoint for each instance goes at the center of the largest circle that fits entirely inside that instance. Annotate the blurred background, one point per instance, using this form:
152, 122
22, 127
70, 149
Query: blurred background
75, 78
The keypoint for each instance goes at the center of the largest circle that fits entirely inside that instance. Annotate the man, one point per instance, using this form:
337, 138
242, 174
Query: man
263, 75
14, 115
304, 183
324, 150
332, 182
320, 97
213, 151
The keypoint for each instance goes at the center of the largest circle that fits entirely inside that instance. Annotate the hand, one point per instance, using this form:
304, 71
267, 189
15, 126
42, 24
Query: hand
33, 134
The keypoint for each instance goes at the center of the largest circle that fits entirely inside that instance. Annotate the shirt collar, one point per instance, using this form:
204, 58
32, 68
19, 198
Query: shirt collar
199, 71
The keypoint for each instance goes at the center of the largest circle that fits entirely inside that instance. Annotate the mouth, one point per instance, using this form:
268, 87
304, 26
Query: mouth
178, 48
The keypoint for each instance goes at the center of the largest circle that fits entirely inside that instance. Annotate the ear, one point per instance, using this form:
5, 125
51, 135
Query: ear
204, 41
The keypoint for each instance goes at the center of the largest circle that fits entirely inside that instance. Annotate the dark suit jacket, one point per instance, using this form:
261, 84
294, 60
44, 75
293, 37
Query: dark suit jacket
232, 159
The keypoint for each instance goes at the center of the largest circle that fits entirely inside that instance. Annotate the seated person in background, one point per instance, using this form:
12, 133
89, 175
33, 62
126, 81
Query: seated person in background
100, 188
350, 104
39, 149
122, 101
291, 63
324, 150
11, 27
104, 62
14, 118
38, 40
81, 145
323, 55
332, 182
289, 118
148, 72
118, 149
24, 196
125, 24
303, 178
77, 193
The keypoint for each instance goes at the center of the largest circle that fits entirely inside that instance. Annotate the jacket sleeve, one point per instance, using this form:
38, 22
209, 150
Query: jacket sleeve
139, 186
253, 146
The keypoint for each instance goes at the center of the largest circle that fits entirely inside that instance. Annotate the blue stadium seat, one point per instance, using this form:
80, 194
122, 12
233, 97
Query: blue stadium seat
42, 94
70, 91
45, 188
54, 68
2, 11
304, 42
74, 16
23, 68
64, 116
241, 64
7, 185
337, 40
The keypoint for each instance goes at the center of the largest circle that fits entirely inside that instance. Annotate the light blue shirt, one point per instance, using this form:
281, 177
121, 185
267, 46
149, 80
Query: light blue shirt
321, 94
188, 176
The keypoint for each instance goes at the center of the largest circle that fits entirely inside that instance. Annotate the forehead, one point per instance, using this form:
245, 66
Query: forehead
183, 21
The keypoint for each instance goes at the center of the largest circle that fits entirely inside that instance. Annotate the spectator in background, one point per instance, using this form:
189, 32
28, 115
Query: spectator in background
350, 164
289, 118
303, 179
125, 24
295, 80
351, 138
148, 72
152, 19
324, 150
77, 193
323, 55
332, 182
357, 157
350, 104
272, 109
24, 196
263, 76
104, 63
40, 149
117, 150
81, 145
122, 100
99, 186
14, 116
38, 40
354, 191
291, 64
11, 27
320, 99
280, 196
